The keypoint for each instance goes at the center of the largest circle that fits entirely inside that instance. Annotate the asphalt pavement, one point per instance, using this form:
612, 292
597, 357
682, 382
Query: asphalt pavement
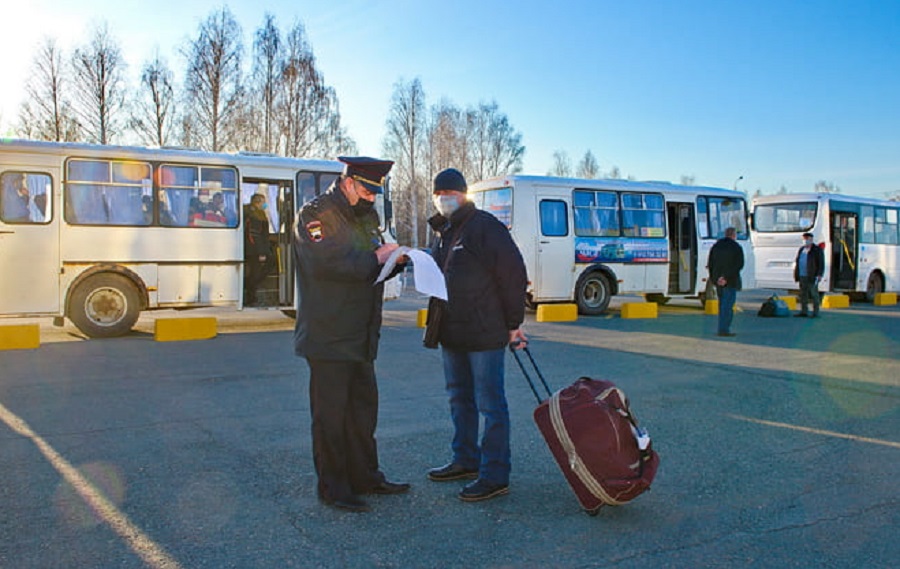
779, 447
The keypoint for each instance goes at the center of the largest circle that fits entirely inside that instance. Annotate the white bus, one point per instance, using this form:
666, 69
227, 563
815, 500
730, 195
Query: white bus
99, 233
587, 240
860, 238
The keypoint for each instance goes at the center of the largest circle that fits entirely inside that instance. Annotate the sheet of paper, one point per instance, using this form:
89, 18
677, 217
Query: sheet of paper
428, 276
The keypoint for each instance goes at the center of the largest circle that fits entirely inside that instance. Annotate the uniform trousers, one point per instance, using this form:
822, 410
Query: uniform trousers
343, 399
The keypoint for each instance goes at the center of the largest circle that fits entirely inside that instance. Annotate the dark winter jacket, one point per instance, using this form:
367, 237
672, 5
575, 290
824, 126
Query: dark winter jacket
726, 259
339, 314
815, 262
485, 280
256, 232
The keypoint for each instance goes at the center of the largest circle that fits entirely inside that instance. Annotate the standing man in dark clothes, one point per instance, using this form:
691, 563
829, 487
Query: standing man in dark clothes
808, 270
339, 252
256, 246
486, 280
726, 259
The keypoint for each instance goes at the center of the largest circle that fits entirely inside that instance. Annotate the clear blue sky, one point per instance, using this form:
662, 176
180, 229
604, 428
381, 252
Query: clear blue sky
781, 93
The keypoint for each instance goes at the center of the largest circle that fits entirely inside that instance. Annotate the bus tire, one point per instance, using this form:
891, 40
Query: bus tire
874, 286
592, 293
105, 305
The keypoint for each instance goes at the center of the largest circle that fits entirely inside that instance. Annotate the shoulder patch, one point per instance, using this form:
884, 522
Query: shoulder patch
314, 230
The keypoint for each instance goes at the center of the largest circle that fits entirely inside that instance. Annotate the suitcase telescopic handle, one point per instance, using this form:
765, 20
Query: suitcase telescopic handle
537, 370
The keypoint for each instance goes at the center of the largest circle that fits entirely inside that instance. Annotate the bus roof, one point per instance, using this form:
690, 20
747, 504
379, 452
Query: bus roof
163, 154
821, 197
607, 184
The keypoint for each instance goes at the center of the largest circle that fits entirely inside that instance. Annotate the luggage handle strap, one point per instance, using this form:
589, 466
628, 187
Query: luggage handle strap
531, 381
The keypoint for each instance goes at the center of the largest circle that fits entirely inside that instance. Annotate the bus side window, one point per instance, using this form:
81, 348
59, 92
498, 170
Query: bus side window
554, 219
25, 198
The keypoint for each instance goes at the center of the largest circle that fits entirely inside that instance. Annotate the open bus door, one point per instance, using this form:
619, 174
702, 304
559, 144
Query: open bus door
844, 247
682, 248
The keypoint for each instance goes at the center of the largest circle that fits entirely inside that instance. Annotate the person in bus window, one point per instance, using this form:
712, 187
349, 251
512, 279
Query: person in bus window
16, 199
726, 260
808, 270
340, 252
256, 247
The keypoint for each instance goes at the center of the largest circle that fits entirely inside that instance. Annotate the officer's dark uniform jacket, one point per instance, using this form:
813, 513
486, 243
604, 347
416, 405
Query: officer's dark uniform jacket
339, 316
485, 280
815, 262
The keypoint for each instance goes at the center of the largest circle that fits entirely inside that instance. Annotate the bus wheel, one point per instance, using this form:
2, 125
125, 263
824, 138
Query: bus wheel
874, 287
105, 305
592, 293
658, 298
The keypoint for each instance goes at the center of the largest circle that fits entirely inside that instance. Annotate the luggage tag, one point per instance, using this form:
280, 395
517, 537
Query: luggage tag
641, 436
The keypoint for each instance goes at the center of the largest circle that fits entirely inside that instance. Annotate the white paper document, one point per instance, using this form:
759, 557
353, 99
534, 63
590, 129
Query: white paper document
428, 276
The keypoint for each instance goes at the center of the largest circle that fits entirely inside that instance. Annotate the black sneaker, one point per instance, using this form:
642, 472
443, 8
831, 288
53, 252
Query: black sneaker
482, 490
452, 471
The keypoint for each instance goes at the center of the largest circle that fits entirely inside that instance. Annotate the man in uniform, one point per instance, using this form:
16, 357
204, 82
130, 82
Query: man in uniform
339, 252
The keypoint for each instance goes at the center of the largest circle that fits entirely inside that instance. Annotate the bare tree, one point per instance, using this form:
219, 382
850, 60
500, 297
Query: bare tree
614, 173
494, 148
46, 113
213, 83
825, 187
561, 166
267, 62
99, 86
588, 167
404, 143
308, 110
153, 119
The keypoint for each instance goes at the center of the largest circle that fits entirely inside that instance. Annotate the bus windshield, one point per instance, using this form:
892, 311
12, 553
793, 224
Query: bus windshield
784, 217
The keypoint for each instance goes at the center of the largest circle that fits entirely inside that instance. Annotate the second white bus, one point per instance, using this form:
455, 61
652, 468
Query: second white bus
587, 240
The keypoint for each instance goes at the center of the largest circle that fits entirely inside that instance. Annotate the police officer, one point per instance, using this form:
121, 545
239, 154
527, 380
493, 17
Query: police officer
339, 252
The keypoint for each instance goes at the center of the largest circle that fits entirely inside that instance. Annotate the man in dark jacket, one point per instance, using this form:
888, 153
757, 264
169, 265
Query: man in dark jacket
486, 280
256, 246
726, 259
808, 270
339, 252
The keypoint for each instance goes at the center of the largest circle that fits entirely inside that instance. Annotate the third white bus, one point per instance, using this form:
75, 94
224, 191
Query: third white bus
860, 238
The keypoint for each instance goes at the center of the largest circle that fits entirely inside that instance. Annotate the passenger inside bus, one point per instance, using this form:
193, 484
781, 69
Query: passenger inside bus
24, 198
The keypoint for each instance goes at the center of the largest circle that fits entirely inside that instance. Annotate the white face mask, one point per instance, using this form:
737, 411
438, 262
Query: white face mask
446, 205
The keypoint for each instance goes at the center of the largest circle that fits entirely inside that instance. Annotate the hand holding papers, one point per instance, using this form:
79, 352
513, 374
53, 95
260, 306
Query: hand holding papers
428, 276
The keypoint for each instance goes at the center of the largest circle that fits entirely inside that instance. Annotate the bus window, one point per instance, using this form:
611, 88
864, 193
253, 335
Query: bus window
886, 226
554, 220
497, 202
307, 188
784, 217
189, 196
105, 192
596, 213
26, 198
643, 215
720, 213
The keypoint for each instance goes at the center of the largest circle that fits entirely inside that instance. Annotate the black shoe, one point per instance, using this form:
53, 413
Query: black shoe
452, 471
482, 490
801, 315
349, 503
387, 488
726, 334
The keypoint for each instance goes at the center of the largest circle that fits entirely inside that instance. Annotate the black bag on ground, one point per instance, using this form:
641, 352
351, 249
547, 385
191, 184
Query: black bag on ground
773, 307
436, 309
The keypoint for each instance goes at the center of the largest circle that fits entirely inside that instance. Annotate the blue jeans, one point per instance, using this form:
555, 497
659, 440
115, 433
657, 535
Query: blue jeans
475, 386
727, 296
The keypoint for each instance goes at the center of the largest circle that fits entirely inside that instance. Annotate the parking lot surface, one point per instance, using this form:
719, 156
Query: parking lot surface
779, 447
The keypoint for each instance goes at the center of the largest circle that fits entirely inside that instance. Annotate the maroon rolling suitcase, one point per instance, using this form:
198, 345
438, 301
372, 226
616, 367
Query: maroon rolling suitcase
596, 441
